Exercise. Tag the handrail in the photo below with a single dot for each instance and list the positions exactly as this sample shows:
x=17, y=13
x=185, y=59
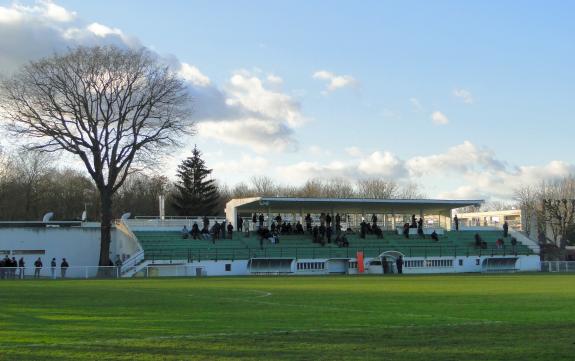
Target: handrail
x=131, y=262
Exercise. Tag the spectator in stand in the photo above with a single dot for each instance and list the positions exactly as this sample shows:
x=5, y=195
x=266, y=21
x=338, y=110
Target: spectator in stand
x=328, y=220
x=215, y=232
x=64, y=267
x=223, y=229
x=362, y=229
x=273, y=227
x=206, y=222
x=21, y=265
x=478, y=240
x=230, y=230
x=413, y=221
x=279, y=219
x=399, y=264
x=185, y=232
x=308, y=222
x=420, y=228
x=374, y=220
x=406, y=230
x=53, y=268
x=456, y=221
x=240, y=224
x=206, y=233
x=328, y=234
x=337, y=221
x=195, y=232
x=37, y=267
x=378, y=232
x=254, y=221
x=322, y=219
x=261, y=220
x=505, y=229
x=299, y=228
x=513, y=242
x=434, y=236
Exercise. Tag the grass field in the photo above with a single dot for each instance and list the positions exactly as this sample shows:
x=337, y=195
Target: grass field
x=459, y=317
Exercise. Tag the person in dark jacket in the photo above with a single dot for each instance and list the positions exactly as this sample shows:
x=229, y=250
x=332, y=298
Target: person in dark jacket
x=308, y=222
x=37, y=267
x=261, y=220
x=21, y=266
x=230, y=230
x=64, y=267
x=240, y=224
x=399, y=264
x=505, y=229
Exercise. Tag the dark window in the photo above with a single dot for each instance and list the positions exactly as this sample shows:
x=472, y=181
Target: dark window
x=477, y=261
x=228, y=267
x=461, y=262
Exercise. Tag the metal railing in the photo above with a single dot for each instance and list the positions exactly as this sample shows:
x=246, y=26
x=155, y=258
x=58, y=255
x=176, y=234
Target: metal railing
x=310, y=252
x=558, y=266
x=72, y=272
x=96, y=272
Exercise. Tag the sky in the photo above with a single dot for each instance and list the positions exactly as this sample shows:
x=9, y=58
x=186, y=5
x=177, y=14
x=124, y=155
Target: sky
x=467, y=99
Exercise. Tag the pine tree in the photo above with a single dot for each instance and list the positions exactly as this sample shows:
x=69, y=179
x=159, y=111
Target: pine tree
x=195, y=194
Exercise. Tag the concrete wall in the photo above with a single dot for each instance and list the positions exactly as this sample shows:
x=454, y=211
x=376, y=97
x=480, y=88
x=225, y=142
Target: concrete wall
x=79, y=245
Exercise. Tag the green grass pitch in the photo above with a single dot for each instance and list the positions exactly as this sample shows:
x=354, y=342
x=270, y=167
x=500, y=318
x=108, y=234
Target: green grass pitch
x=458, y=317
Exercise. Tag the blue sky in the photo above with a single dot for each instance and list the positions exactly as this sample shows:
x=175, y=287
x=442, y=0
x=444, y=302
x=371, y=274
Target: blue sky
x=465, y=98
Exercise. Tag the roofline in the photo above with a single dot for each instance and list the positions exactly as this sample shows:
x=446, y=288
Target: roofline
x=368, y=200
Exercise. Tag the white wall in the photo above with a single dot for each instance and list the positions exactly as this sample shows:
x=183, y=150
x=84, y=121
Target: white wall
x=79, y=245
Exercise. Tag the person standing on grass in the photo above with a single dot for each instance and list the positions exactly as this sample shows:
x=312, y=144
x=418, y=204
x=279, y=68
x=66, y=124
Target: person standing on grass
x=399, y=264
x=21, y=266
x=64, y=267
x=53, y=268
x=37, y=267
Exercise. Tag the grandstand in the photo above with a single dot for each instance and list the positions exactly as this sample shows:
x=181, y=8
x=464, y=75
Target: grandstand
x=246, y=252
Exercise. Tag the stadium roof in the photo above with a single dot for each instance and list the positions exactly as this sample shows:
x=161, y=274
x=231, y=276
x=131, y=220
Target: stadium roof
x=350, y=205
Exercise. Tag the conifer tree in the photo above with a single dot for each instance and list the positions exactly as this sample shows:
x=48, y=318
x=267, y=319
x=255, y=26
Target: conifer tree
x=196, y=194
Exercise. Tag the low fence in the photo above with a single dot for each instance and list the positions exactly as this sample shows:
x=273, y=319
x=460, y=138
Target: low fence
x=96, y=272
x=558, y=266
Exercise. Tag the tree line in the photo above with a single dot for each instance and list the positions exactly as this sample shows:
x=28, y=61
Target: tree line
x=33, y=183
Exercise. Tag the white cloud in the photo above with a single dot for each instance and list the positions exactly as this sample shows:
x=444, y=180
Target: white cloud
x=464, y=94
x=460, y=158
x=384, y=164
x=274, y=79
x=193, y=75
x=102, y=30
x=244, y=111
x=335, y=81
x=260, y=135
x=439, y=118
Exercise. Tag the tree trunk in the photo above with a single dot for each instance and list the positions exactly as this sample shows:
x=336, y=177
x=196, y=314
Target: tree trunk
x=105, y=227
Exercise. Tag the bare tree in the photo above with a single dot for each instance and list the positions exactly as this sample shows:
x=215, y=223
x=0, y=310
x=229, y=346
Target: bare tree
x=376, y=188
x=264, y=186
x=114, y=109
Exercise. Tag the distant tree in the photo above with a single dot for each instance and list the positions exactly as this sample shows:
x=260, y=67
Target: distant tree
x=196, y=193
x=114, y=109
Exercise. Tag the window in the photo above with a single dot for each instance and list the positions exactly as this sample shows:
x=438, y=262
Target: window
x=29, y=251
x=310, y=265
x=461, y=262
x=228, y=267
x=477, y=262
